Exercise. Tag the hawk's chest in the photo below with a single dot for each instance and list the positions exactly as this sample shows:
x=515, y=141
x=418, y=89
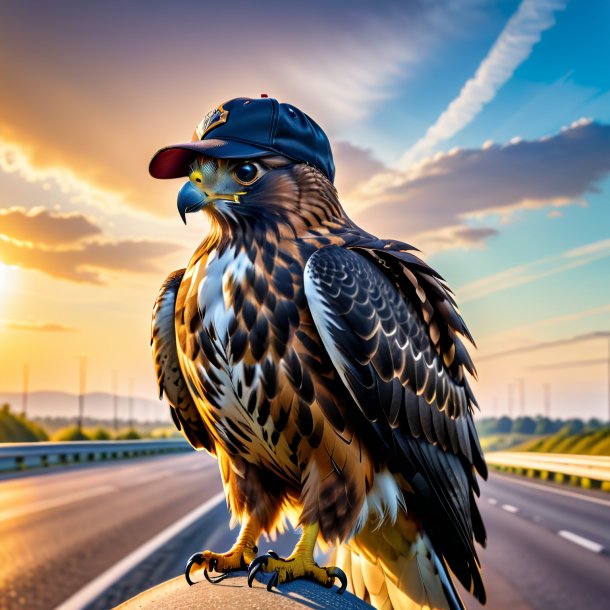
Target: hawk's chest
x=245, y=320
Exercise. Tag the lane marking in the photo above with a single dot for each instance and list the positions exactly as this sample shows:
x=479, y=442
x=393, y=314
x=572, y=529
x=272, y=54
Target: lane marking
x=492, y=501
x=35, y=507
x=560, y=492
x=90, y=592
x=580, y=541
x=509, y=508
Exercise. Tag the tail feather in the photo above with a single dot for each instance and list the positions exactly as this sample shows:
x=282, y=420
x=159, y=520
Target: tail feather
x=395, y=567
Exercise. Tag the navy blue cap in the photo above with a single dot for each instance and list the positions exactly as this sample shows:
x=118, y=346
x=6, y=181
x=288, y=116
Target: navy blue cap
x=249, y=128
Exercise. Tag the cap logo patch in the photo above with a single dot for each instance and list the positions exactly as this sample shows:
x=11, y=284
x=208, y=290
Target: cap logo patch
x=212, y=119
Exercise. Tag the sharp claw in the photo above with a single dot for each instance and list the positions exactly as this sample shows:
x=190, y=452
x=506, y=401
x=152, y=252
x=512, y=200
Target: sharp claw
x=273, y=554
x=272, y=581
x=255, y=567
x=196, y=558
x=214, y=579
x=339, y=574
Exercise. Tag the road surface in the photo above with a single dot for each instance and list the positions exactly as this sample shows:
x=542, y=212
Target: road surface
x=60, y=529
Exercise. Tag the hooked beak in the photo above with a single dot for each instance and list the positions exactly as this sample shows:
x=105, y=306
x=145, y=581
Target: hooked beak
x=190, y=199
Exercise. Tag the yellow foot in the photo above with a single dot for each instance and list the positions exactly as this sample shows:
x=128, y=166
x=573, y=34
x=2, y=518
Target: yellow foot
x=296, y=566
x=234, y=560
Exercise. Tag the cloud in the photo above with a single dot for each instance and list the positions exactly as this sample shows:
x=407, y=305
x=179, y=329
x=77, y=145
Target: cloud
x=43, y=226
x=37, y=326
x=513, y=46
x=602, y=334
x=15, y=159
x=454, y=189
x=354, y=167
x=533, y=271
x=87, y=262
x=337, y=61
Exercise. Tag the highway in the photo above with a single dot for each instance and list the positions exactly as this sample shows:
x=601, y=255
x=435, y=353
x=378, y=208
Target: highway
x=63, y=528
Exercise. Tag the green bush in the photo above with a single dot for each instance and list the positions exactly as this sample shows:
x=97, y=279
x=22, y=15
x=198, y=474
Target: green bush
x=72, y=433
x=100, y=434
x=128, y=435
x=16, y=428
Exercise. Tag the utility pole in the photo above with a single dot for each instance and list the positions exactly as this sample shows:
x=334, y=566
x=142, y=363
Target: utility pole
x=511, y=390
x=547, y=400
x=81, y=394
x=26, y=384
x=131, y=403
x=115, y=401
x=521, y=386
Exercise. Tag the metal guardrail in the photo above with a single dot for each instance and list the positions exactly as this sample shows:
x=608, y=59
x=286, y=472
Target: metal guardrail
x=591, y=471
x=18, y=456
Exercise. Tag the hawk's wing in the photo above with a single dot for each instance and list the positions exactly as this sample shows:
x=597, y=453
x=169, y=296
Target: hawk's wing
x=169, y=376
x=384, y=354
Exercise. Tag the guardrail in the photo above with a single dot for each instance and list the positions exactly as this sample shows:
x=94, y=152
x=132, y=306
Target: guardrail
x=19, y=456
x=582, y=470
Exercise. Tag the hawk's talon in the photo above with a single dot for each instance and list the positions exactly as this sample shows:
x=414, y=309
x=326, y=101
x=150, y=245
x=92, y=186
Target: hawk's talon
x=214, y=579
x=255, y=567
x=295, y=567
x=196, y=558
x=272, y=581
x=340, y=575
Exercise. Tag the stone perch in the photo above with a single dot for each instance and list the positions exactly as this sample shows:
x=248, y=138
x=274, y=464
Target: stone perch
x=233, y=592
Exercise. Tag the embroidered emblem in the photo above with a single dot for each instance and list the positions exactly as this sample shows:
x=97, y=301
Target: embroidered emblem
x=212, y=119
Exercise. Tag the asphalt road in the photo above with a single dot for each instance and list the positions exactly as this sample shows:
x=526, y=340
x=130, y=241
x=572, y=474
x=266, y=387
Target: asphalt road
x=60, y=529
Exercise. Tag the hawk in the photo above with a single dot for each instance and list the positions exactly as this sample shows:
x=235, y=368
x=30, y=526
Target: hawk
x=324, y=367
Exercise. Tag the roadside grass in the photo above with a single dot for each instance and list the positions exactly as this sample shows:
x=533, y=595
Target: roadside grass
x=586, y=443
x=16, y=428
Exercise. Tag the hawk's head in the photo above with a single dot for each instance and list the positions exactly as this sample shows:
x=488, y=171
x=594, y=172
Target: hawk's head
x=254, y=160
x=259, y=191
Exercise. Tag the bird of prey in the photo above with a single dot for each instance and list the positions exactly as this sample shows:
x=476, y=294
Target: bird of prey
x=324, y=367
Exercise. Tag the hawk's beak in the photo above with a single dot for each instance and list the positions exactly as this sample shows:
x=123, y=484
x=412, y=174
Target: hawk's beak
x=190, y=199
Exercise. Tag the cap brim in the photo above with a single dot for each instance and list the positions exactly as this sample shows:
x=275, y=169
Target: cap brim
x=174, y=161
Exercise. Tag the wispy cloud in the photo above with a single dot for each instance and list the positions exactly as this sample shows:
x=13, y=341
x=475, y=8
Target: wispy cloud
x=37, y=326
x=86, y=262
x=43, y=226
x=440, y=197
x=513, y=46
x=14, y=159
x=602, y=334
x=535, y=270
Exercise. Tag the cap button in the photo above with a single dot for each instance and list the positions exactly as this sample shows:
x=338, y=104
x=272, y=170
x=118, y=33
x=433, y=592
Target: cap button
x=264, y=95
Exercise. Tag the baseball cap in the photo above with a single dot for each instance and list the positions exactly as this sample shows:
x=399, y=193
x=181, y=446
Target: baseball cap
x=249, y=128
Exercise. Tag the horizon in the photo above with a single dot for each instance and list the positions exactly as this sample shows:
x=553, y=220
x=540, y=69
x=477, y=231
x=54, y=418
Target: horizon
x=479, y=133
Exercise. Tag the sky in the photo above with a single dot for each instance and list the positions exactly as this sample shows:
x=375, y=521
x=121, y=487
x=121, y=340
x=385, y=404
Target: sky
x=477, y=131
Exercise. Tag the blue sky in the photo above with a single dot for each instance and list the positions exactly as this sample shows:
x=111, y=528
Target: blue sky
x=478, y=131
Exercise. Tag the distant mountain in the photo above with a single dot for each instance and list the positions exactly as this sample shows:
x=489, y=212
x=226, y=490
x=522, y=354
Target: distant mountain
x=97, y=405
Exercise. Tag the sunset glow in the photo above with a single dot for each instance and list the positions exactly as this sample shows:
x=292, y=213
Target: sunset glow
x=490, y=156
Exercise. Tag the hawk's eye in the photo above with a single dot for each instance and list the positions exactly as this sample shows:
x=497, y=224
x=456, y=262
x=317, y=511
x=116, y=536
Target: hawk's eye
x=245, y=173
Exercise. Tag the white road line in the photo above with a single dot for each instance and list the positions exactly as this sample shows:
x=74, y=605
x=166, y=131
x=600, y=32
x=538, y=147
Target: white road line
x=509, y=508
x=554, y=490
x=492, y=501
x=35, y=507
x=81, y=599
x=580, y=541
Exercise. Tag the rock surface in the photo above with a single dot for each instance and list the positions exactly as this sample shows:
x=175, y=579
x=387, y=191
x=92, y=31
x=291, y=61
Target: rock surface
x=233, y=592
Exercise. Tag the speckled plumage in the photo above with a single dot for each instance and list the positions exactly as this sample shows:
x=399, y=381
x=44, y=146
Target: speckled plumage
x=312, y=359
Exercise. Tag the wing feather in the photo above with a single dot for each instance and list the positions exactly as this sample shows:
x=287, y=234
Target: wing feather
x=167, y=367
x=383, y=349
